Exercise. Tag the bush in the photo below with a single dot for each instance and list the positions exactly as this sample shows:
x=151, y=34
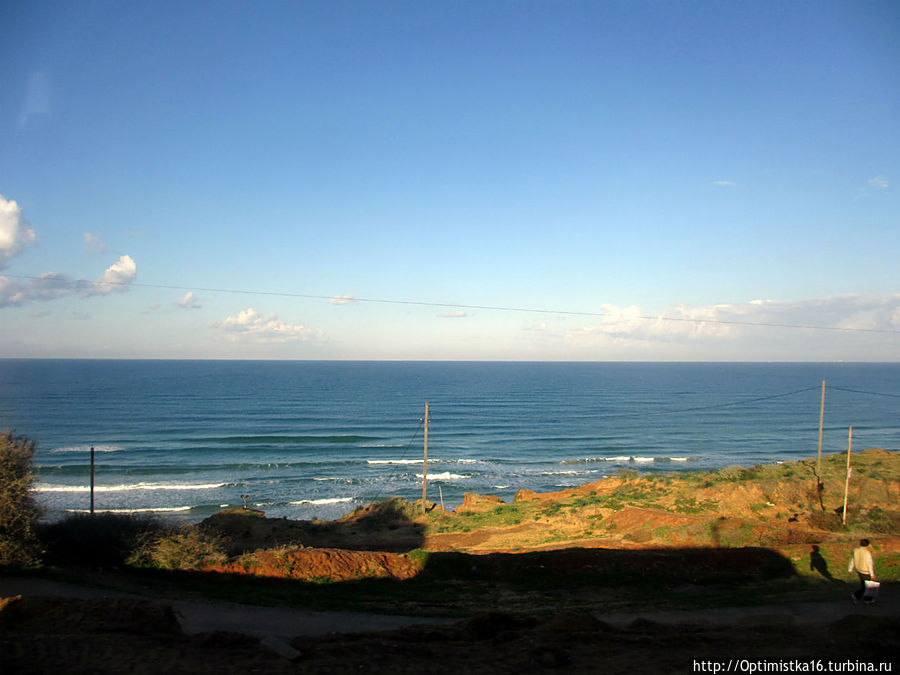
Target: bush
x=881, y=521
x=186, y=548
x=731, y=474
x=395, y=510
x=98, y=540
x=18, y=512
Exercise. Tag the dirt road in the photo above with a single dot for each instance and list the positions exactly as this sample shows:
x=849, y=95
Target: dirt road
x=204, y=617
x=287, y=623
x=62, y=627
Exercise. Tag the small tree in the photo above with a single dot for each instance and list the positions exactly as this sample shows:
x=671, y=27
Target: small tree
x=18, y=511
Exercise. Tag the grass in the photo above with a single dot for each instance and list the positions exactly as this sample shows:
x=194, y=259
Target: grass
x=690, y=505
x=504, y=515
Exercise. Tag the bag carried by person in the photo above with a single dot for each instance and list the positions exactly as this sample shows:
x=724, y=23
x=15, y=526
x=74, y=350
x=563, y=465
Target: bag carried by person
x=871, y=593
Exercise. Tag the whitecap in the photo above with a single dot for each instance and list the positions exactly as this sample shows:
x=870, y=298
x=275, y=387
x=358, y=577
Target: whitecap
x=394, y=461
x=446, y=475
x=45, y=487
x=167, y=509
x=87, y=448
x=317, y=502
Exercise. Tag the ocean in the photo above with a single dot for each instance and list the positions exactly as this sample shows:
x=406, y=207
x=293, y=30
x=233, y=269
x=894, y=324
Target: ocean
x=310, y=439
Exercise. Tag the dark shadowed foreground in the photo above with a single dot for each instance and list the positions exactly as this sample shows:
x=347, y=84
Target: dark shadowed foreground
x=117, y=635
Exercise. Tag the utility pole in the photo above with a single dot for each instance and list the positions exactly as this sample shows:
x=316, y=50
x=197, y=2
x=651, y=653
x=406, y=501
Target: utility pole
x=425, y=464
x=847, y=482
x=92, y=480
x=821, y=421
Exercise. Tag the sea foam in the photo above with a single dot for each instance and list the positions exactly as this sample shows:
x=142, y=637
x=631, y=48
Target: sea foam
x=318, y=502
x=446, y=475
x=46, y=487
x=87, y=448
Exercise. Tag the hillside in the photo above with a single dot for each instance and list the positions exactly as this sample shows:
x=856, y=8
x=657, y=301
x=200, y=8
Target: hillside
x=776, y=507
x=536, y=584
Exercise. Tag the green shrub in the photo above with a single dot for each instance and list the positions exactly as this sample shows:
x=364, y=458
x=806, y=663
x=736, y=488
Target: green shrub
x=391, y=511
x=730, y=474
x=685, y=504
x=882, y=521
x=19, y=545
x=185, y=548
x=98, y=540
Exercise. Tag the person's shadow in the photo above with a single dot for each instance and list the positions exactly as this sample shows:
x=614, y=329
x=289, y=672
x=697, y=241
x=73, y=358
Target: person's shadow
x=818, y=563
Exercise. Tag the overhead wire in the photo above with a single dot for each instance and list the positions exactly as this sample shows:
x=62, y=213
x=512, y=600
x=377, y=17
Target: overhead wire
x=670, y=411
x=868, y=393
x=716, y=405
x=494, y=308
x=402, y=457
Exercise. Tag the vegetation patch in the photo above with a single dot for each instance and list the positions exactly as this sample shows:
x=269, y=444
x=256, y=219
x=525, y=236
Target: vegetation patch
x=98, y=540
x=186, y=548
x=19, y=545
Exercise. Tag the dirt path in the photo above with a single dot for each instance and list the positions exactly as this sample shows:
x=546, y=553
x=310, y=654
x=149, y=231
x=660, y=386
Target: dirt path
x=202, y=617
x=87, y=629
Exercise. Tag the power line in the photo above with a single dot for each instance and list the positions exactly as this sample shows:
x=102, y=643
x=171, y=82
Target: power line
x=869, y=393
x=493, y=308
x=402, y=457
x=675, y=411
x=732, y=403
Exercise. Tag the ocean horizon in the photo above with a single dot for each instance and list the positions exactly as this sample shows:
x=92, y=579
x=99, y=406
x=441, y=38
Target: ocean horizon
x=315, y=439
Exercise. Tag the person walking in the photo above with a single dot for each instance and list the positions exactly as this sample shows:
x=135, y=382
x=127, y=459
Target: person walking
x=862, y=562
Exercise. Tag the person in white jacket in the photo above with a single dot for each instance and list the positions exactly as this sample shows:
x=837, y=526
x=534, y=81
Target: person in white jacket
x=862, y=562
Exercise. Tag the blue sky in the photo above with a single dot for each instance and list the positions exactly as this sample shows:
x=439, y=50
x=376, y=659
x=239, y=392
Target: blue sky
x=714, y=164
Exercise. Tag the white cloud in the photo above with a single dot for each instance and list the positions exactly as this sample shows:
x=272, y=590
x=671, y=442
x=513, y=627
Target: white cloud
x=189, y=301
x=342, y=300
x=94, y=242
x=875, y=184
x=724, y=183
x=121, y=272
x=248, y=323
x=51, y=285
x=733, y=321
x=453, y=315
x=14, y=231
x=116, y=278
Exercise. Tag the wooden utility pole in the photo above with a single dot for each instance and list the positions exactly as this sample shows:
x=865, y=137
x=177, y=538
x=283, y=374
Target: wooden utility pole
x=92, y=480
x=847, y=482
x=821, y=421
x=425, y=464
